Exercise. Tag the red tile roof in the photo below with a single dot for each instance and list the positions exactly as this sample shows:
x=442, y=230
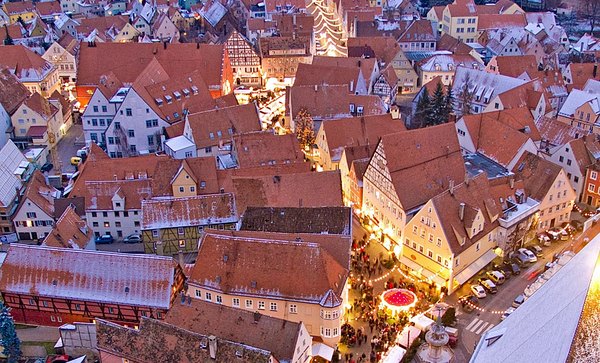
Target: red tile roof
x=12, y=92
x=40, y=193
x=537, y=174
x=422, y=162
x=24, y=63
x=105, y=277
x=70, y=231
x=128, y=60
x=500, y=21
x=225, y=121
x=265, y=148
x=257, y=264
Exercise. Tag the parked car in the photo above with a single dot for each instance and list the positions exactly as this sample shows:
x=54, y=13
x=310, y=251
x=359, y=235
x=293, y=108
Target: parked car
x=47, y=167
x=518, y=301
x=503, y=269
x=528, y=254
x=559, y=233
x=488, y=285
x=75, y=160
x=545, y=239
x=512, y=267
x=133, y=238
x=468, y=302
x=537, y=250
x=497, y=277
x=521, y=260
x=105, y=239
x=478, y=291
x=82, y=153
x=508, y=311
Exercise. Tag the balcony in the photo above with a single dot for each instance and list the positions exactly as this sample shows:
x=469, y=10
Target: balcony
x=518, y=212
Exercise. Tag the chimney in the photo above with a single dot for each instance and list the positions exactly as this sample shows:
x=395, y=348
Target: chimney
x=212, y=346
x=316, y=88
x=451, y=187
x=461, y=211
x=595, y=70
x=165, y=45
x=256, y=317
x=352, y=86
x=512, y=183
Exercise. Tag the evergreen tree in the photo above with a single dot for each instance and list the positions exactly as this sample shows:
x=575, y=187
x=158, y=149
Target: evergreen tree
x=438, y=112
x=8, y=336
x=423, y=109
x=305, y=129
x=8, y=40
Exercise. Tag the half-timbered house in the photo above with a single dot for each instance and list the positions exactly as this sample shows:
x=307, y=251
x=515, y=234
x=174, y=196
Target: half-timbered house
x=174, y=225
x=54, y=286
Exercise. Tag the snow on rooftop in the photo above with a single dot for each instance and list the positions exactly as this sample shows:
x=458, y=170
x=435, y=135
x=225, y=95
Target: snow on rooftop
x=179, y=143
x=575, y=99
x=543, y=327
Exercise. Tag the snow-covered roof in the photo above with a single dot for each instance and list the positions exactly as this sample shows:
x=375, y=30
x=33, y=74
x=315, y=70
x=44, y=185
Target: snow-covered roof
x=544, y=327
x=495, y=83
x=575, y=99
x=179, y=143
x=592, y=86
x=215, y=12
x=10, y=160
x=140, y=280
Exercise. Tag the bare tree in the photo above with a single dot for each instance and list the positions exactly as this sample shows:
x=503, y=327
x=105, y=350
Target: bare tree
x=465, y=96
x=589, y=10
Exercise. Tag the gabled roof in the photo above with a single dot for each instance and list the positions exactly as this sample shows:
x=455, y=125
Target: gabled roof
x=581, y=73
x=213, y=11
x=576, y=99
x=353, y=153
x=379, y=47
x=128, y=60
x=500, y=21
x=420, y=30
x=519, y=119
x=300, y=23
x=537, y=174
x=18, y=7
x=494, y=139
x=188, y=211
x=487, y=84
x=41, y=194
x=324, y=220
x=448, y=42
x=296, y=189
x=238, y=325
x=258, y=264
x=48, y=8
x=516, y=65
x=138, y=344
x=41, y=106
x=12, y=92
x=209, y=127
x=355, y=131
x=70, y=231
x=311, y=74
x=139, y=280
x=25, y=64
x=422, y=162
x=448, y=62
x=475, y=194
x=523, y=96
x=366, y=65
x=331, y=101
x=102, y=24
x=556, y=132
x=261, y=148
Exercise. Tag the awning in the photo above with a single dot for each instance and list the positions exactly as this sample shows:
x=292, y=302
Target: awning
x=422, y=271
x=475, y=267
x=395, y=355
x=322, y=350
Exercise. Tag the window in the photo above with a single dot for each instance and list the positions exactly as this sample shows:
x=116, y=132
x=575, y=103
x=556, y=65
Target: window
x=104, y=109
x=192, y=188
x=457, y=261
x=150, y=140
x=94, y=224
x=132, y=148
x=430, y=238
x=131, y=133
x=45, y=304
x=248, y=304
x=576, y=179
x=155, y=233
x=261, y=305
x=31, y=215
x=439, y=259
x=111, y=310
x=208, y=296
x=568, y=161
x=235, y=302
x=95, y=108
x=117, y=224
x=430, y=253
x=561, y=159
x=128, y=112
x=180, y=230
x=181, y=189
x=477, y=246
x=182, y=243
x=439, y=242
x=415, y=230
x=219, y=299
x=293, y=309
x=273, y=306
x=594, y=175
x=198, y=293
x=77, y=307
x=591, y=188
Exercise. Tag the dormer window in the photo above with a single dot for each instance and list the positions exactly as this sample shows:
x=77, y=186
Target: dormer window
x=158, y=101
x=169, y=99
x=195, y=90
x=177, y=95
x=438, y=67
x=186, y=92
